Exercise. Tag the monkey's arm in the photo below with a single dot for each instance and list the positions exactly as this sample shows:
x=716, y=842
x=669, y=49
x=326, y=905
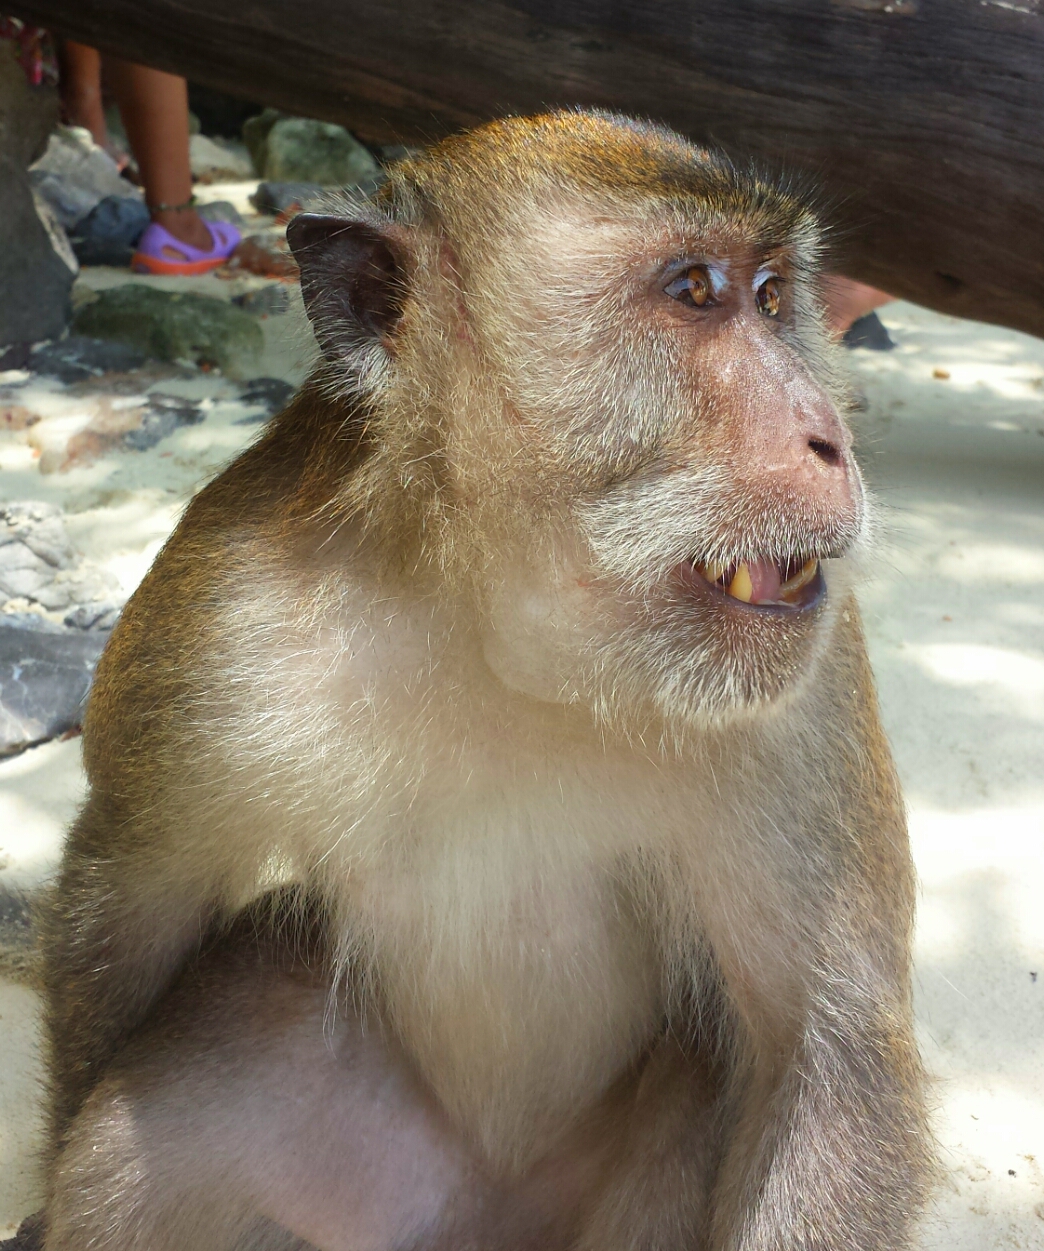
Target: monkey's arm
x=806, y=1133
x=830, y=1150
x=169, y=840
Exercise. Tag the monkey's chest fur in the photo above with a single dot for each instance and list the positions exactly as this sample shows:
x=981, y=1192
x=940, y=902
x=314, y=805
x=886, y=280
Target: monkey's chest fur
x=523, y=984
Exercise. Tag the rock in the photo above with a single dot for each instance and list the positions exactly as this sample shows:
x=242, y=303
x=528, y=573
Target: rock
x=92, y=616
x=40, y=528
x=29, y=1235
x=255, y=136
x=110, y=231
x=175, y=326
x=164, y=414
x=868, y=332
x=28, y=115
x=269, y=301
x=284, y=197
x=271, y=395
x=78, y=357
x=75, y=174
x=44, y=680
x=265, y=255
x=221, y=211
x=213, y=160
x=15, y=356
x=22, y=574
x=35, y=272
x=40, y=572
x=17, y=953
x=300, y=149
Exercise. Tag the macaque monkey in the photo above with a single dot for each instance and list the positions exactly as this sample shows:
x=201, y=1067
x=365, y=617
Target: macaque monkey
x=492, y=842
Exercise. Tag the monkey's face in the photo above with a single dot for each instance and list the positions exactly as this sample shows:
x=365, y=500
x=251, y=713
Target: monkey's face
x=666, y=417
x=628, y=395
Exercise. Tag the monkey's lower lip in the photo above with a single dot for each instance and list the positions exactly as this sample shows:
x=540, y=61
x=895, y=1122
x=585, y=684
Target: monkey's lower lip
x=793, y=585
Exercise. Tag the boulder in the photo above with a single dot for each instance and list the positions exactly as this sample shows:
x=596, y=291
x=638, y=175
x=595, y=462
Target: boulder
x=74, y=174
x=36, y=267
x=39, y=570
x=268, y=395
x=44, y=679
x=270, y=301
x=110, y=231
x=214, y=160
x=77, y=358
x=303, y=150
x=284, y=197
x=175, y=326
x=221, y=211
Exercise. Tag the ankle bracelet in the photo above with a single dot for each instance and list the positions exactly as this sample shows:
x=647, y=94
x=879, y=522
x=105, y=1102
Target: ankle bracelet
x=172, y=208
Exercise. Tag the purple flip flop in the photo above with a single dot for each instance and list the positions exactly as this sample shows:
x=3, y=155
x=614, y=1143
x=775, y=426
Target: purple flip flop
x=149, y=258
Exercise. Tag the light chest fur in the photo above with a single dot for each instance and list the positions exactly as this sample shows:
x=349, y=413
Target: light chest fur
x=492, y=900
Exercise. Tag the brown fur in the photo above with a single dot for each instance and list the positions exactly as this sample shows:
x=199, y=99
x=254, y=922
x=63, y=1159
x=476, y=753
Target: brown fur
x=582, y=841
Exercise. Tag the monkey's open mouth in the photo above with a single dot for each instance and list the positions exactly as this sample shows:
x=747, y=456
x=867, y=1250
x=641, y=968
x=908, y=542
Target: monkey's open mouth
x=796, y=583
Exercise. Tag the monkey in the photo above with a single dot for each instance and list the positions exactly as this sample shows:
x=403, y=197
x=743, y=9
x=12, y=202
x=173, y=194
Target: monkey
x=491, y=839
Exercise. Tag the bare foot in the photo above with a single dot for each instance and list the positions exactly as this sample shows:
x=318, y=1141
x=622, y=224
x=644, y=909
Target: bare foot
x=186, y=225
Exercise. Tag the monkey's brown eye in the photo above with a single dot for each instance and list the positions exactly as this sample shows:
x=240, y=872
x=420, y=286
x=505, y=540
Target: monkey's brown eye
x=767, y=297
x=692, y=287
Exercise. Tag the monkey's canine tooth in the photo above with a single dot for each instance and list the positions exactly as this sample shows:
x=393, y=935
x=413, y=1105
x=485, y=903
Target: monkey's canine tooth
x=741, y=587
x=713, y=570
x=800, y=580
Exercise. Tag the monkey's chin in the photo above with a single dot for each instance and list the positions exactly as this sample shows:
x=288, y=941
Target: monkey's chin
x=793, y=586
x=704, y=657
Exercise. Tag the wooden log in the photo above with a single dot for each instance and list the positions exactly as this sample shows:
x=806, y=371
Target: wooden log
x=920, y=118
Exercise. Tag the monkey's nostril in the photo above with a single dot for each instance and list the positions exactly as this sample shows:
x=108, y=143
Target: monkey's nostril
x=826, y=452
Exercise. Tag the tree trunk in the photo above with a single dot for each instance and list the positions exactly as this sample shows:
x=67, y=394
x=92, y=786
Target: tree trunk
x=923, y=120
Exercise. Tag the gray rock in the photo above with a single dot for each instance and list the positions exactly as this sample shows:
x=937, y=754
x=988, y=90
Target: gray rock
x=22, y=573
x=40, y=528
x=15, y=356
x=175, y=326
x=79, y=357
x=269, y=301
x=75, y=174
x=110, y=231
x=284, y=197
x=31, y=621
x=38, y=564
x=163, y=416
x=217, y=160
x=17, y=955
x=34, y=278
x=255, y=136
x=44, y=680
x=91, y=617
x=269, y=394
x=868, y=332
x=300, y=149
x=221, y=211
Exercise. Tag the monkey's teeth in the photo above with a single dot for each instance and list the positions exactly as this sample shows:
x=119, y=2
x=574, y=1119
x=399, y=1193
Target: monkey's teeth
x=800, y=580
x=714, y=570
x=741, y=587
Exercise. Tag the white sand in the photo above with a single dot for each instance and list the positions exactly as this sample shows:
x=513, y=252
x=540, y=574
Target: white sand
x=955, y=613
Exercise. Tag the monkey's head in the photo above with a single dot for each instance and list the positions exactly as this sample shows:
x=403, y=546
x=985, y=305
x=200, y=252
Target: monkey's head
x=600, y=401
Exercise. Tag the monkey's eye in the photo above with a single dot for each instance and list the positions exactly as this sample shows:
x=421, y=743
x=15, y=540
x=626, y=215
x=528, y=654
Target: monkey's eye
x=767, y=297
x=692, y=287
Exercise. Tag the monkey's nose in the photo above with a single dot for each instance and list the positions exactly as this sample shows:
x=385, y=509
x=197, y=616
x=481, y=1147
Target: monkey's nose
x=829, y=453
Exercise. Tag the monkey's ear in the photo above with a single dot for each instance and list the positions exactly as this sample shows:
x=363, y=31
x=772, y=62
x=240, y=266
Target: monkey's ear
x=353, y=280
